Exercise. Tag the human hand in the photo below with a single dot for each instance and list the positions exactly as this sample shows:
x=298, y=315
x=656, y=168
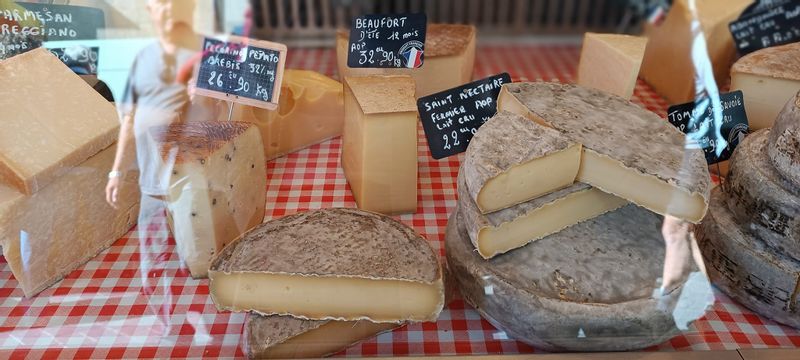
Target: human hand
x=113, y=188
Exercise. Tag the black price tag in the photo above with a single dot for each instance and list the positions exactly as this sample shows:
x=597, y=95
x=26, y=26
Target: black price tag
x=387, y=41
x=775, y=24
x=84, y=58
x=51, y=22
x=242, y=70
x=697, y=121
x=450, y=118
x=762, y=5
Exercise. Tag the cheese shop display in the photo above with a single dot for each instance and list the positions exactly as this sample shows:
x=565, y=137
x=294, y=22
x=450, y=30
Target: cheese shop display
x=611, y=62
x=217, y=189
x=627, y=151
x=769, y=78
x=381, y=124
x=784, y=143
x=330, y=264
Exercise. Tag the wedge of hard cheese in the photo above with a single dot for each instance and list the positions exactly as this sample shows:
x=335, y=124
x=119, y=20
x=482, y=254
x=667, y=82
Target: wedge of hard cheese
x=784, y=143
x=512, y=160
x=611, y=62
x=217, y=189
x=330, y=264
x=768, y=78
x=627, y=151
x=46, y=235
x=285, y=337
x=501, y=231
x=52, y=121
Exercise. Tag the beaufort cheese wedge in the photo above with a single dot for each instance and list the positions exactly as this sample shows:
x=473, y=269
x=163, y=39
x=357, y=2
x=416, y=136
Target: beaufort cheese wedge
x=611, y=62
x=330, y=264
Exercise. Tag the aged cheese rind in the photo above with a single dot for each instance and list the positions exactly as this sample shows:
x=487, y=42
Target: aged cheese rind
x=594, y=278
x=498, y=232
x=512, y=160
x=745, y=268
x=52, y=121
x=627, y=151
x=46, y=235
x=610, y=62
x=365, y=255
x=757, y=199
x=784, y=142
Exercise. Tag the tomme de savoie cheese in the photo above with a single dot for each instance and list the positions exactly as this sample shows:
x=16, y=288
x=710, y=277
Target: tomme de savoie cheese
x=627, y=151
x=784, y=143
x=217, y=189
x=330, y=264
x=611, y=62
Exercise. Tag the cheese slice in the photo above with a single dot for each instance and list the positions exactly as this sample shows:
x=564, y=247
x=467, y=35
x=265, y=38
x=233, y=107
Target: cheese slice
x=449, y=59
x=498, y=232
x=611, y=62
x=46, y=235
x=310, y=111
x=218, y=186
x=330, y=264
x=586, y=288
x=768, y=78
x=52, y=121
x=379, y=143
x=511, y=160
x=669, y=63
x=627, y=151
x=284, y=337
x=744, y=268
x=784, y=143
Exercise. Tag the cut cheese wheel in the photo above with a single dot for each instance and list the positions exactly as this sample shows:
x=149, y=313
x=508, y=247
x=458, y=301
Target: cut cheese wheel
x=285, y=337
x=52, y=121
x=512, y=160
x=46, y=235
x=330, y=264
x=627, y=151
x=498, y=232
x=757, y=199
x=586, y=288
x=218, y=186
x=768, y=78
x=611, y=62
x=784, y=142
x=743, y=267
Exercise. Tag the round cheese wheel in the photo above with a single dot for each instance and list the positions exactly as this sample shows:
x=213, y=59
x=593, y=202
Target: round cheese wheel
x=784, y=143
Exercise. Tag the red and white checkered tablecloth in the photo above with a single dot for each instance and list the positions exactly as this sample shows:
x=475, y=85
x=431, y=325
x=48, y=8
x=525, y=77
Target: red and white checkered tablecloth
x=100, y=310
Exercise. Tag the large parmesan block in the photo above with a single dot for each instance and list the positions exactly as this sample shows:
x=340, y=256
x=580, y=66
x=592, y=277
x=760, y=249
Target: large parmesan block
x=587, y=288
x=501, y=231
x=285, y=337
x=768, y=78
x=46, y=235
x=449, y=59
x=627, y=151
x=330, y=264
x=742, y=266
x=756, y=197
x=218, y=186
x=670, y=63
x=784, y=143
x=611, y=62
x=52, y=121
x=310, y=111
x=379, y=143
x=512, y=160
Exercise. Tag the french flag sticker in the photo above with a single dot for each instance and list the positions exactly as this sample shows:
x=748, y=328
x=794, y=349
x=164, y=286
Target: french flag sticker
x=413, y=58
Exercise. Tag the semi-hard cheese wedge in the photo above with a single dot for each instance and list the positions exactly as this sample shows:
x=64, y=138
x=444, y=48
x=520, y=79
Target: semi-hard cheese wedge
x=498, y=232
x=46, y=235
x=310, y=111
x=330, y=264
x=671, y=59
x=52, y=120
x=285, y=337
x=511, y=160
x=757, y=198
x=449, y=59
x=768, y=78
x=379, y=143
x=611, y=62
x=784, y=143
x=586, y=288
x=745, y=268
x=217, y=189
x=627, y=151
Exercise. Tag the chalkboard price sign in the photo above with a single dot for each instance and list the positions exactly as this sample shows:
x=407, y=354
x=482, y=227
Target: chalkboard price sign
x=773, y=25
x=450, y=118
x=387, y=41
x=51, y=22
x=242, y=70
x=713, y=125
